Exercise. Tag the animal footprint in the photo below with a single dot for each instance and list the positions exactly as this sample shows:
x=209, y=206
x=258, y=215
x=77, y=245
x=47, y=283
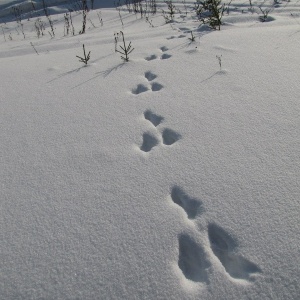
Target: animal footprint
x=173, y=37
x=153, y=118
x=191, y=206
x=141, y=88
x=166, y=56
x=164, y=48
x=151, y=57
x=192, y=260
x=150, y=76
x=149, y=141
x=155, y=86
x=170, y=137
x=222, y=245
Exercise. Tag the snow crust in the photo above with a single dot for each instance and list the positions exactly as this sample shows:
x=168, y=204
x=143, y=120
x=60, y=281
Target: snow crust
x=166, y=177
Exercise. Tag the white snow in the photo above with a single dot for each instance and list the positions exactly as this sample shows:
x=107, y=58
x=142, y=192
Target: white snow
x=164, y=177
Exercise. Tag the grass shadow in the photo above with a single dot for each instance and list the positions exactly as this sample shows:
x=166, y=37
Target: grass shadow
x=67, y=73
x=108, y=71
x=103, y=73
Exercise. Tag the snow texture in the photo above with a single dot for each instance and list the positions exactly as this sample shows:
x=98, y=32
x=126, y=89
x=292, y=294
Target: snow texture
x=170, y=176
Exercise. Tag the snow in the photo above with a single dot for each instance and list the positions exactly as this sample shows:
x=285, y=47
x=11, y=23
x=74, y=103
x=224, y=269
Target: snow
x=164, y=177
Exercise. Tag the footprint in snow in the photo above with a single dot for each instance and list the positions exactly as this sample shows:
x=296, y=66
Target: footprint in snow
x=191, y=206
x=150, y=76
x=165, y=56
x=149, y=141
x=154, y=86
x=223, y=246
x=141, y=88
x=151, y=57
x=174, y=37
x=164, y=49
x=153, y=118
x=170, y=136
x=192, y=259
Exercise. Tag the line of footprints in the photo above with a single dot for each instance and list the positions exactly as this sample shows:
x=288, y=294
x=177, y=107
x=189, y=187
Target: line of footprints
x=154, y=86
x=193, y=260
x=168, y=136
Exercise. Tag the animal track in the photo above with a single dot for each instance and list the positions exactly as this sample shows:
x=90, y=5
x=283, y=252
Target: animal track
x=170, y=137
x=191, y=206
x=192, y=260
x=155, y=86
x=153, y=118
x=222, y=245
x=141, y=88
x=166, y=56
x=164, y=48
x=150, y=76
x=174, y=37
x=151, y=57
x=149, y=141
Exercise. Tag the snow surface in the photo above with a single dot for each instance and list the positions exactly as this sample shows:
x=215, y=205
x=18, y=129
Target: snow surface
x=160, y=178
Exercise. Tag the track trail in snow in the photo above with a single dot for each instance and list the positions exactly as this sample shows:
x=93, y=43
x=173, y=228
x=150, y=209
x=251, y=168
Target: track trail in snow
x=194, y=258
x=206, y=192
x=150, y=86
x=165, y=136
x=163, y=56
x=151, y=139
